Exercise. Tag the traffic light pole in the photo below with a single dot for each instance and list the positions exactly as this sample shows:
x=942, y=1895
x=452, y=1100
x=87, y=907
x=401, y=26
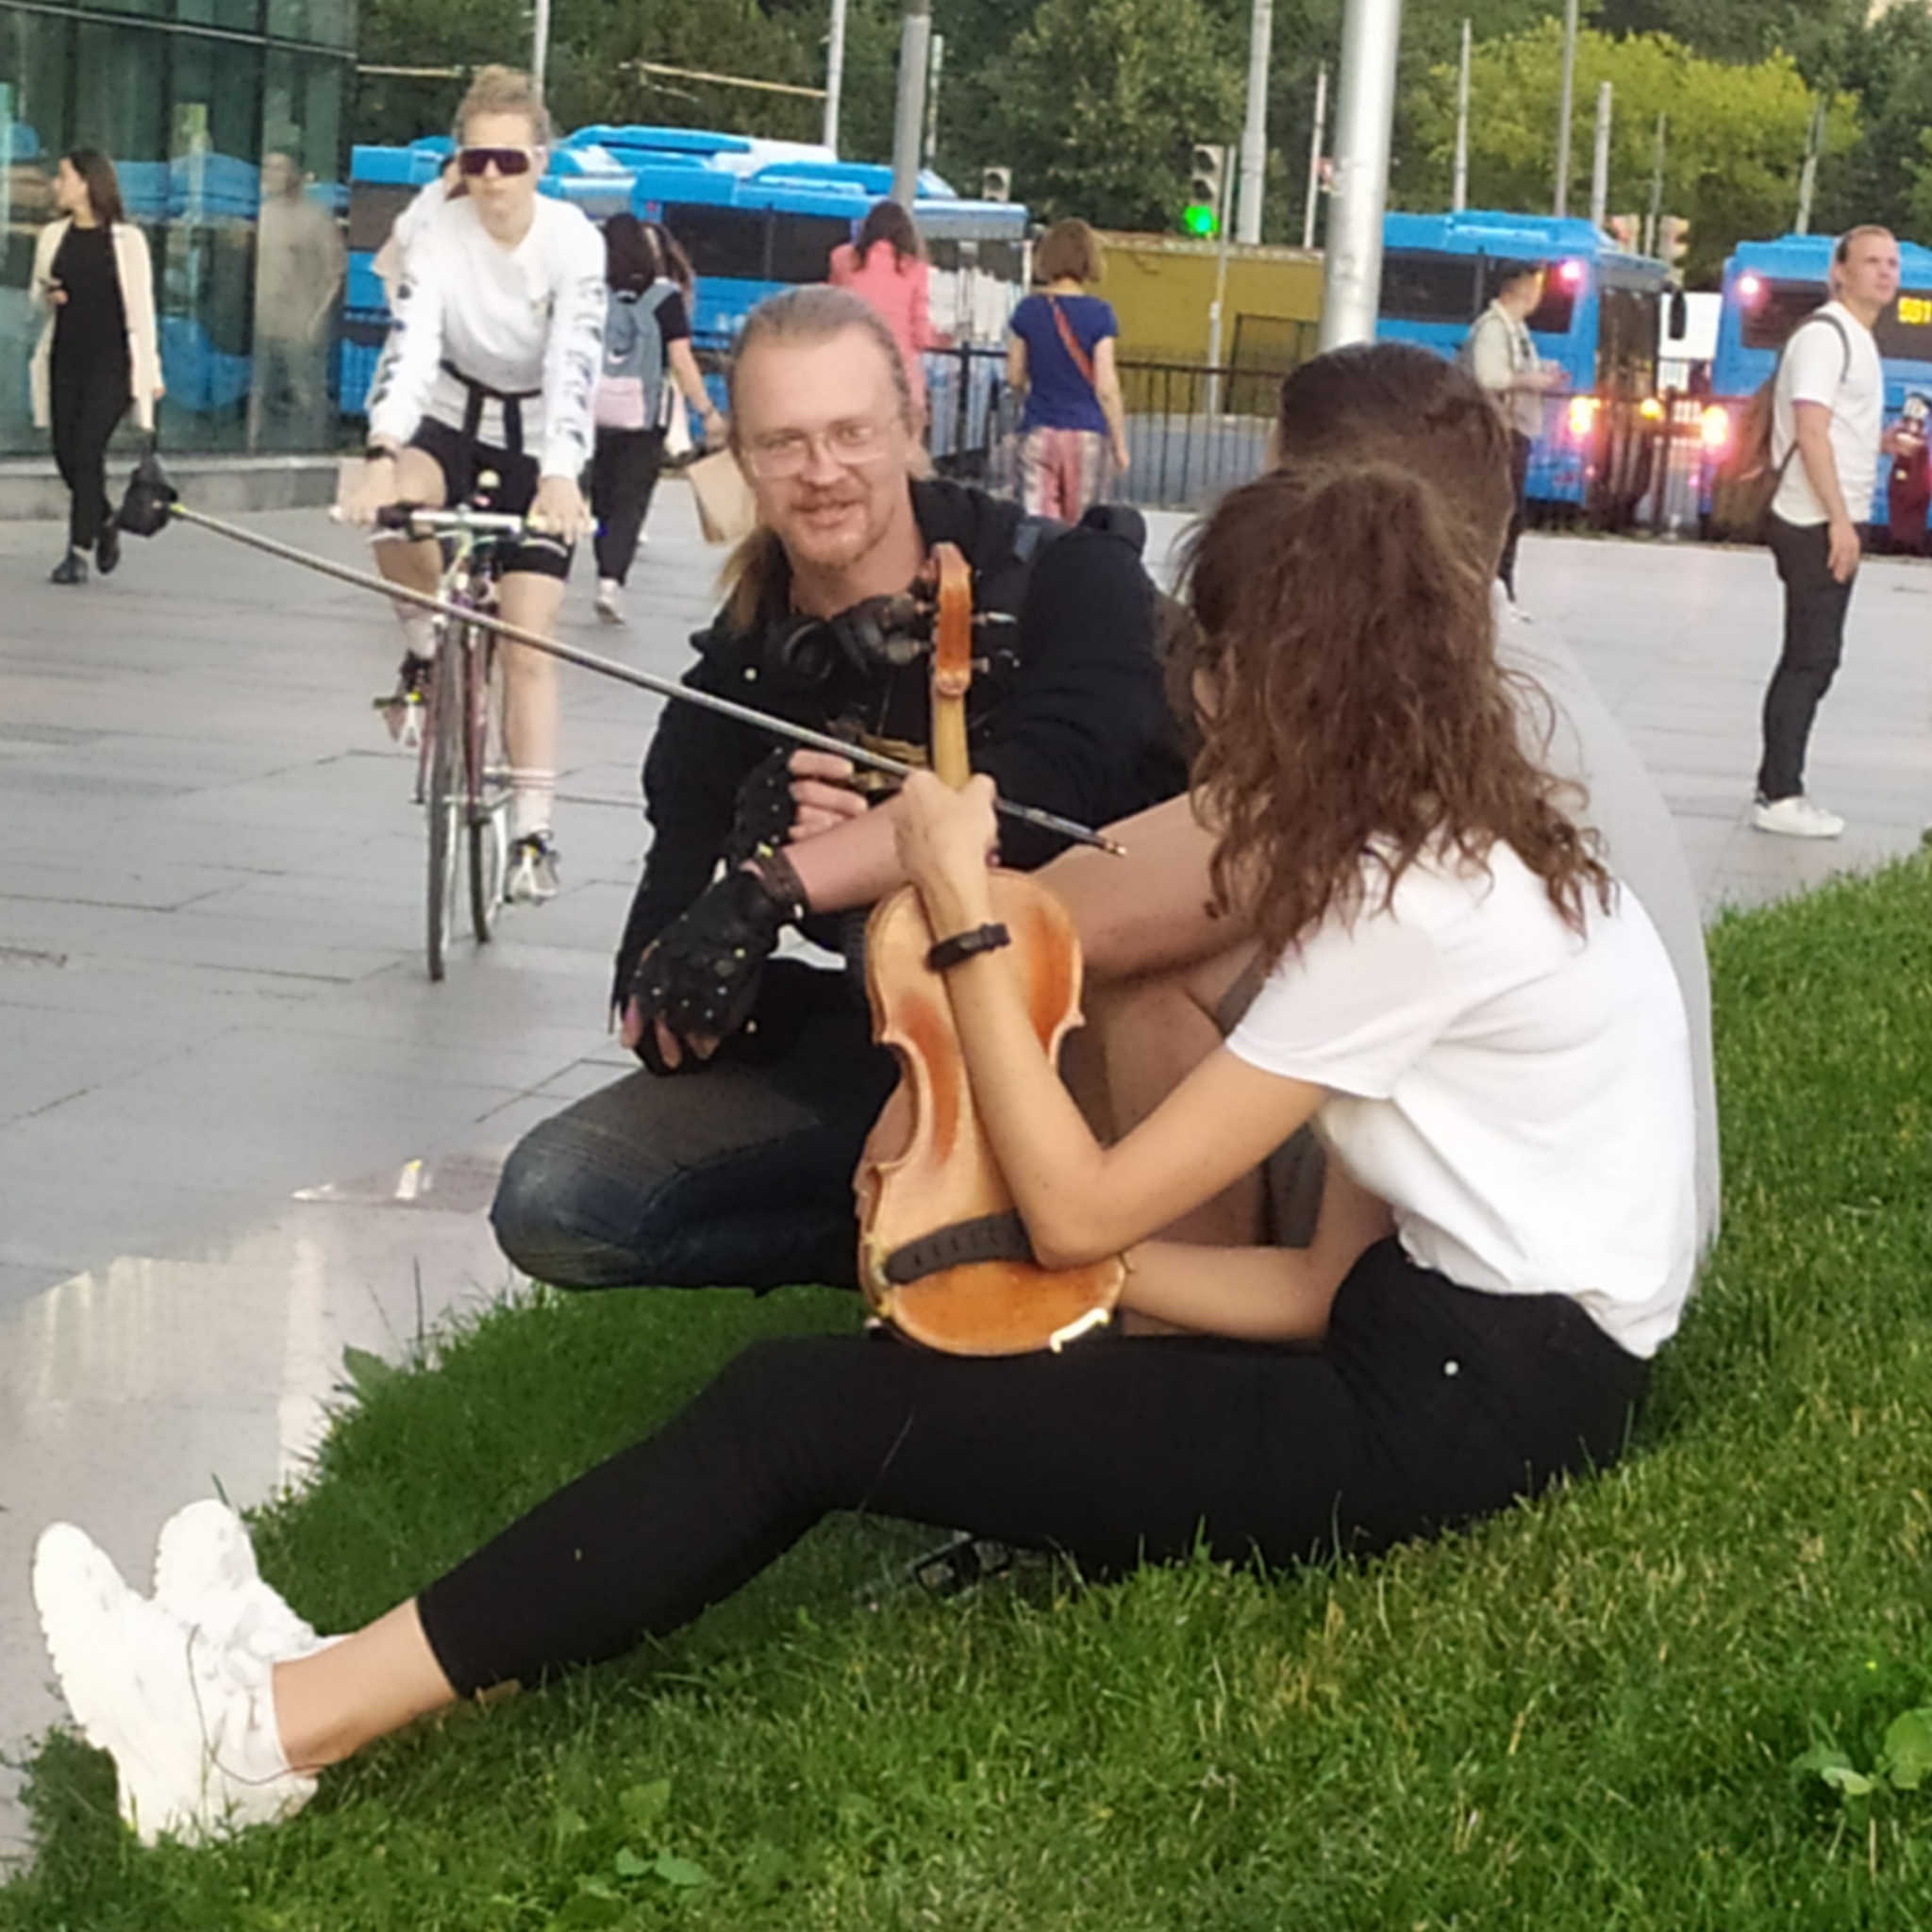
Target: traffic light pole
x=1364, y=113
x=1255, y=130
x=835, y=72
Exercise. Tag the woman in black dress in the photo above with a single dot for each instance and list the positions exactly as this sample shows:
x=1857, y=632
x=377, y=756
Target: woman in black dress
x=98, y=353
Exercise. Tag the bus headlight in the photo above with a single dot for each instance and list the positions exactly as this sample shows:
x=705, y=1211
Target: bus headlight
x=1714, y=427
x=1582, y=416
x=1650, y=409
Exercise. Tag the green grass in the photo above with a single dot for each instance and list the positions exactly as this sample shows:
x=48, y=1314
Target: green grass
x=1586, y=1714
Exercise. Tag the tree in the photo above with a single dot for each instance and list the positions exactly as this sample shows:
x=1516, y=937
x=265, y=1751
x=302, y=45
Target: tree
x=1735, y=134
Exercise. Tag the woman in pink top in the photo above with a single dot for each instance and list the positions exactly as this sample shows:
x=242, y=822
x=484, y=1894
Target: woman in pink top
x=886, y=267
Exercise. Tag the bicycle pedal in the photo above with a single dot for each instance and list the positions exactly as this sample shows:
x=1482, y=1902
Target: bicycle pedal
x=956, y=1569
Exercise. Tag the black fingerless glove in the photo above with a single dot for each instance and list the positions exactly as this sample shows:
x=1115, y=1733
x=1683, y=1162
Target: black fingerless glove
x=701, y=977
x=762, y=821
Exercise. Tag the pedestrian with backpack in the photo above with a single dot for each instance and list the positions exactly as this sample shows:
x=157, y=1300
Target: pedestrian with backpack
x=1827, y=428
x=646, y=349
x=1498, y=352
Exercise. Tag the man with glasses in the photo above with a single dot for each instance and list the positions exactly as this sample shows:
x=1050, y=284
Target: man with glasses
x=729, y=1160
x=490, y=370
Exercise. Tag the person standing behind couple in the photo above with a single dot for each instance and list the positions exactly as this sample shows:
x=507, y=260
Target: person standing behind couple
x=1060, y=353
x=885, y=266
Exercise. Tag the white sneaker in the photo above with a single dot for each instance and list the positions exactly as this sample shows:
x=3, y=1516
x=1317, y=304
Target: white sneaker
x=189, y=1724
x=610, y=600
x=1796, y=818
x=205, y=1574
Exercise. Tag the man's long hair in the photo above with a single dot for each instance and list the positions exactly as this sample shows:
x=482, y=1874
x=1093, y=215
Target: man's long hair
x=756, y=572
x=1354, y=717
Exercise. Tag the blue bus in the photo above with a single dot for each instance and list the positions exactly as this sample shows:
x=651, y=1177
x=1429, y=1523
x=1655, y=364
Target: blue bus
x=1600, y=320
x=1770, y=287
x=754, y=215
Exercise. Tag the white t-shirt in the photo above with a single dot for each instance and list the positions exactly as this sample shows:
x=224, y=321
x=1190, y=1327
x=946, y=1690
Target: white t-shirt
x=1585, y=744
x=1816, y=370
x=528, y=320
x=1518, y=1094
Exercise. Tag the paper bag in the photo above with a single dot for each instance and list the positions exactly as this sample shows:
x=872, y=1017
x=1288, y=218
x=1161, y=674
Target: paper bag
x=726, y=508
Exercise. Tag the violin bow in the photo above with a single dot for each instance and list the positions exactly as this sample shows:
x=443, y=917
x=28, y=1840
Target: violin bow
x=665, y=686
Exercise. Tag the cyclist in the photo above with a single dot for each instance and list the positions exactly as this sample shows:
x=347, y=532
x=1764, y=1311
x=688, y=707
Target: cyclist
x=491, y=370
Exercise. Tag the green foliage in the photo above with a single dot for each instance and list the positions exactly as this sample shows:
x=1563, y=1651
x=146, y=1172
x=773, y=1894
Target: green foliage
x=1102, y=100
x=1690, y=1692
x=1735, y=143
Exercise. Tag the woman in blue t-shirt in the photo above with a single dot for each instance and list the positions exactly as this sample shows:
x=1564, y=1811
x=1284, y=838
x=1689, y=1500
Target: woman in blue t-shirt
x=1060, y=354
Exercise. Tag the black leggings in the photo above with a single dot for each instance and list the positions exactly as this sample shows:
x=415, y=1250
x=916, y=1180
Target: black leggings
x=1428, y=1406
x=87, y=402
x=624, y=475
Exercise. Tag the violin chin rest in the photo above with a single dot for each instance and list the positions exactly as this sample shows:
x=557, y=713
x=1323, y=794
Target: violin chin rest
x=1000, y=1308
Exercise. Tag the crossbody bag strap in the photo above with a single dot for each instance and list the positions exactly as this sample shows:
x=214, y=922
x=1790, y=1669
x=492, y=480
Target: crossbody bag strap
x=1082, y=361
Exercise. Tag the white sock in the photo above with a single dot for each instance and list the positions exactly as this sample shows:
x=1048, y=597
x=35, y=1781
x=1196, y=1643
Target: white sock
x=532, y=798
x=419, y=632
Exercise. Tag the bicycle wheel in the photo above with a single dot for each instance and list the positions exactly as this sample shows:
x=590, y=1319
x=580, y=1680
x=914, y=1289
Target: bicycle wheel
x=489, y=802
x=443, y=798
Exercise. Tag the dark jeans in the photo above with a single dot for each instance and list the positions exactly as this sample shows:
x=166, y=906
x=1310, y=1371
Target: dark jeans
x=738, y=1174
x=1520, y=447
x=624, y=475
x=1428, y=1406
x=1815, y=608
x=87, y=403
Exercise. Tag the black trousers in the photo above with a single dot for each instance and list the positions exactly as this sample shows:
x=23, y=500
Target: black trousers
x=1520, y=447
x=624, y=476
x=1428, y=1406
x=1815, y=608
x=738, y=1174
x=88, y=400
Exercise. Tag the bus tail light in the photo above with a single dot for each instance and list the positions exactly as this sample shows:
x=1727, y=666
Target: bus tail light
x=1750, y=289
x=1715, y=427
x=1582, y=416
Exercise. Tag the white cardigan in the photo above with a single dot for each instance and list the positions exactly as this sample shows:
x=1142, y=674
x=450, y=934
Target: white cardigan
x=136, y=274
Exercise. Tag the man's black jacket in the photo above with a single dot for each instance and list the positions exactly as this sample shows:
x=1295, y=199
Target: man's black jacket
x=1073, y=718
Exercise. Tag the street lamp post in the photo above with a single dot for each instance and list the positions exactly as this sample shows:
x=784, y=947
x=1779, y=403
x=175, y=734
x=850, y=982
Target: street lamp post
x=1364, y=113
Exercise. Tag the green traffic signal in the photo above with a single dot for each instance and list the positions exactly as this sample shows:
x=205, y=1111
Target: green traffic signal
x=1197, y=218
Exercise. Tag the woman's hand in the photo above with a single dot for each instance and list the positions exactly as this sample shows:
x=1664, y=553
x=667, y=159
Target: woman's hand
x=372, y=492
x=558, y=510
x=947, y=840
x=56, y=295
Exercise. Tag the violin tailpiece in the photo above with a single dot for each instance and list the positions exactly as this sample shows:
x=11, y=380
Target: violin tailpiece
x=987, y=1238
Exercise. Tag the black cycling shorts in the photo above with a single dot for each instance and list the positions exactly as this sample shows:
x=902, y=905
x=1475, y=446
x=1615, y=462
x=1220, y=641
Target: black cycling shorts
x=463, y=461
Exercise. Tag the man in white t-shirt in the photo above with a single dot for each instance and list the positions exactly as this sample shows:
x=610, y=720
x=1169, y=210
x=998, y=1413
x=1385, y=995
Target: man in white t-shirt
x=1828, y=420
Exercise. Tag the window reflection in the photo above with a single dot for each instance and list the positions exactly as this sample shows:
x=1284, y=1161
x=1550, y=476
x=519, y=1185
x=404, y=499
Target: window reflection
x=229, y=152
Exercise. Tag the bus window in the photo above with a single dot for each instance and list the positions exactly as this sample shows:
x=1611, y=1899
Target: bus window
x=1904, y=332
x=1626, y=342
x=1768, y=322
x=1417, y=287
x=802, y=245
x=721, y=241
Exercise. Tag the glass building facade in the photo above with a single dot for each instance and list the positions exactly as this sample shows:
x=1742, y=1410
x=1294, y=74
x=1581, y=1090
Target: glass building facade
x=226, y=122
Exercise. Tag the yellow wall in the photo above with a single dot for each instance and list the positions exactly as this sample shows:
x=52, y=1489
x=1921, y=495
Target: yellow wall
x=1163, y=286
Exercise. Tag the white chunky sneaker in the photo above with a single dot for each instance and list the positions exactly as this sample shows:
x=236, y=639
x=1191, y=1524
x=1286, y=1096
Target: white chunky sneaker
x=610, y=600
x=188, y=1722
x=1796, y=818
x=204, y=1573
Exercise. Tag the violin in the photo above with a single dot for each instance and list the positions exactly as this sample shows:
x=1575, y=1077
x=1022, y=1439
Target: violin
x=943, y=1252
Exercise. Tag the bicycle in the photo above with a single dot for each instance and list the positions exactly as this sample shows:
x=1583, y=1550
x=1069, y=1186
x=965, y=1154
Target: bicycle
x=462, y=764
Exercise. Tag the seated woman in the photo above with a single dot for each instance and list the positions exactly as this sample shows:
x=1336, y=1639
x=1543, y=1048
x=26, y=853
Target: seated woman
x=1488, y=1037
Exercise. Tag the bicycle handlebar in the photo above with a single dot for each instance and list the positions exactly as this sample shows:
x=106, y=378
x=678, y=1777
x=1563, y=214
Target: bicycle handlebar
x=421, y=521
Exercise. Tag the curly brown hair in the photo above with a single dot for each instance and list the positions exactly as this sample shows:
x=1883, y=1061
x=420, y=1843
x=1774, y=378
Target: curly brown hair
x=1353, y=710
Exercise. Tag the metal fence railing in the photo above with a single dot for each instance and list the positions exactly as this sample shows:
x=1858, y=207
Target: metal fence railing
x=1192, y=431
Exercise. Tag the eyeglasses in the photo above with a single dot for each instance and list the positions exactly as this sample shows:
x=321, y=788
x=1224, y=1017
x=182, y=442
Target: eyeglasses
x=851, y=444
x=472, y=162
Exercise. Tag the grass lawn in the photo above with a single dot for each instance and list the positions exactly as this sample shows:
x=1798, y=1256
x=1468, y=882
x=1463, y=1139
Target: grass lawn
x=1589, y=1714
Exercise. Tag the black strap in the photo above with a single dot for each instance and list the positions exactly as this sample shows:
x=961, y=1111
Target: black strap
x=481, y=393
x=991, y=1238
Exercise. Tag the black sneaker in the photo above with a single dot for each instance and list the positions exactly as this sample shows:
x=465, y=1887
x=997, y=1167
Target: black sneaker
x=532, y=876
x=108, y=547
x=72, y=569
x=402, y=708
